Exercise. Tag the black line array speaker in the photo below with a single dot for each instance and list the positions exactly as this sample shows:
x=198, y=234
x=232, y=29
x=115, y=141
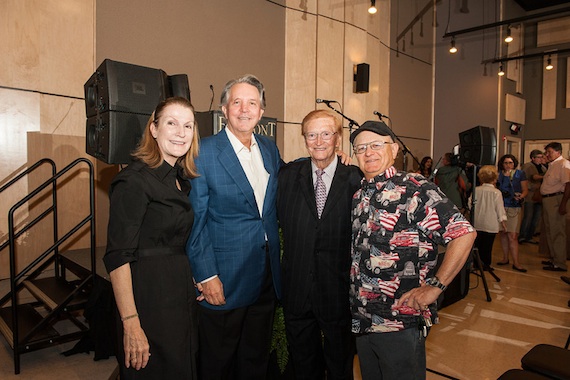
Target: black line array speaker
x=478, y=145
x=178, y=86
x=119, y=99
x=112, y=136
x=118, y=86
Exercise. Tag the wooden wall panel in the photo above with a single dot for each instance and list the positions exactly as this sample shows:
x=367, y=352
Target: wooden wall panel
x=48, y=49
x=552, y=32
x=300, y=78
x=515, y=109
x=567, y=82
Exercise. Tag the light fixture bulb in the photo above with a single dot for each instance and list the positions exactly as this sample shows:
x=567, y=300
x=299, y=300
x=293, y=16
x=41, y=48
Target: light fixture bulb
x=501, y=71
x=509, y=38
x=372, y=10
x=549, y=65
x=453, y=49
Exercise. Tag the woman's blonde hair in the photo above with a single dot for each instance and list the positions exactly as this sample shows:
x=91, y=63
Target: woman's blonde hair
x=488, y=174
x=148, y=151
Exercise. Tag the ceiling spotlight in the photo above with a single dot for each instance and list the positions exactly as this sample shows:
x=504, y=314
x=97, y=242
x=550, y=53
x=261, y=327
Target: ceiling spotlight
x=372, y=10
x=509, y=38
x=549, y=64
x=453, y=49
x=501, y=71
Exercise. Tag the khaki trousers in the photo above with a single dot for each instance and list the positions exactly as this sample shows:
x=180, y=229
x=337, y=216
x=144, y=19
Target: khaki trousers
x=555, y=229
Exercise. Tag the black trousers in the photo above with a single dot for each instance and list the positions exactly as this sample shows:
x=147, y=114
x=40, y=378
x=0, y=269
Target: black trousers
x=320, y=343
x=235, y=344
x=484, y=242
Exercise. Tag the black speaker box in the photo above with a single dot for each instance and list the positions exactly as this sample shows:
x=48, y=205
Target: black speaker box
x=458, y=288
x=118, y=86
x=112, y=136
x=361, y=78
x=478, y=145
x=178, y=86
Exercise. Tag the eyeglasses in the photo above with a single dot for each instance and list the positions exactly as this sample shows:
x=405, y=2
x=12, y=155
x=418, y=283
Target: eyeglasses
x=326, y=135
x=374, y=145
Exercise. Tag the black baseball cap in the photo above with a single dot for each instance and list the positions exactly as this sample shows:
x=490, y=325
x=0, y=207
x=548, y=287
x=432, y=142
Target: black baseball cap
x=378, y=127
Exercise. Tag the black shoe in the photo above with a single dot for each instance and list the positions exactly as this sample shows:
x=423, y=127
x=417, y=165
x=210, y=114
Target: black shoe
x=503, y=262
x=522, y=241
x=532, y=242
x=546, y=262
x=522, y=270
x=566, y=279
x=554, y=268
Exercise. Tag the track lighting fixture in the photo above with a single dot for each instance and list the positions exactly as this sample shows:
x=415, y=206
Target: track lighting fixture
x=453, y=49
x=509, y=38
x=372, y=9
x=501, y=71
x=549, y=65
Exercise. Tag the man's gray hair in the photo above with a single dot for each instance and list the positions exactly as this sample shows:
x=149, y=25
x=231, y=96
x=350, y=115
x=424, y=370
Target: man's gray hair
x=249, y=79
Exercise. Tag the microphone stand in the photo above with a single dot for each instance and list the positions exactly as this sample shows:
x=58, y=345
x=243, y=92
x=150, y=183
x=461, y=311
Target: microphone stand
x=405, y=149
x=351, y=123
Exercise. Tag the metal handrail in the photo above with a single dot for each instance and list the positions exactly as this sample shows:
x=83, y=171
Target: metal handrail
x=22, y=175
x=15, y=278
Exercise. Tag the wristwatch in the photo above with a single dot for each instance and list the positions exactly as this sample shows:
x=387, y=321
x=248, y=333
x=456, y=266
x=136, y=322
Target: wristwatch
x=434, y=281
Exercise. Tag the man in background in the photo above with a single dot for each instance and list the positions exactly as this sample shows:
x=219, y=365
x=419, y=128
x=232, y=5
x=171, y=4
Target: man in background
x=555, y=190
x=532, y=210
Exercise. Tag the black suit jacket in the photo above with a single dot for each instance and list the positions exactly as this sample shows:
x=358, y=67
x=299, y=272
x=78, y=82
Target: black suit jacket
x=316, y=252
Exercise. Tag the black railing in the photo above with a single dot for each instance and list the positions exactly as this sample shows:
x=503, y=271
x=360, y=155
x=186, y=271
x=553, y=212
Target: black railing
x=50, y=255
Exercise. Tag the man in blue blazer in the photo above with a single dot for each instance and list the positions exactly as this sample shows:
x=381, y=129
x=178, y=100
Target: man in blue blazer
x=234, y=245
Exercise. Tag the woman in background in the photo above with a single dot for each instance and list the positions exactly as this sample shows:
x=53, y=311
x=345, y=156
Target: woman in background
x=490, y=216
x=513, y=185
x=149, y=222
x=425, y=168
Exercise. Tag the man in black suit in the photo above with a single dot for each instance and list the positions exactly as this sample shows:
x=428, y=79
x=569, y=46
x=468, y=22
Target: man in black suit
x=314, y=213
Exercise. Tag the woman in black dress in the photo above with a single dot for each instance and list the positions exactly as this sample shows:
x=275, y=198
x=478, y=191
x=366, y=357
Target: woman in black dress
x=150, y=220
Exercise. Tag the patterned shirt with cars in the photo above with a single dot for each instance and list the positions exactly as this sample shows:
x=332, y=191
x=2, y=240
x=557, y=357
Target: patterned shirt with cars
x=399, y=219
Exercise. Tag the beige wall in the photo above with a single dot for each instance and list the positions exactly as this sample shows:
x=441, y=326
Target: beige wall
x=48, y=53
x=322, y=45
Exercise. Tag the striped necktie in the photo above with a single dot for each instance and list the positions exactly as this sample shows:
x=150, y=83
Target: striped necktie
x=320, y=192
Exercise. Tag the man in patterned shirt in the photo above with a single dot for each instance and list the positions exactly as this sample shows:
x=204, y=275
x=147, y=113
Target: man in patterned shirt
x=399, y=219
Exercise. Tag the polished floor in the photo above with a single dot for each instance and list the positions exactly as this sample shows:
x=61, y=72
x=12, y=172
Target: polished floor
x=475, y=339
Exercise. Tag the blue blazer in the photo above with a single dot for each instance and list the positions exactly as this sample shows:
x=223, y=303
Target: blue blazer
x=228, y=236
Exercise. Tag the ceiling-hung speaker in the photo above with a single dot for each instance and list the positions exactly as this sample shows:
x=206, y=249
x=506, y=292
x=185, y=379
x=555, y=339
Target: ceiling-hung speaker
x=478, y=145
x=119, y=86
x=112, y=136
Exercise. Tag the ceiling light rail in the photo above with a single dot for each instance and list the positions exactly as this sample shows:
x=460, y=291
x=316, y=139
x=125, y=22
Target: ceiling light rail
x=556, y=13
x=525, y=56
x=419, y=17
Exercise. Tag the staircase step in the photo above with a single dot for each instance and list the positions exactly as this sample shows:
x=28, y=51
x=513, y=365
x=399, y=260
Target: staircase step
x=52, y=292
x=28, y=318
